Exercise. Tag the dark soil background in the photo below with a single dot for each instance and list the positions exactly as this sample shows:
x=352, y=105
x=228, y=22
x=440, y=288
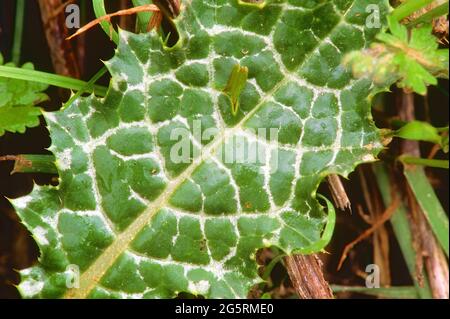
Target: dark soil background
x=17, y=248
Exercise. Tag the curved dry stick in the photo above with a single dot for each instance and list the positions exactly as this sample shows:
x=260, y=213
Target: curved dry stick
x=144, y=8
x=384, y=218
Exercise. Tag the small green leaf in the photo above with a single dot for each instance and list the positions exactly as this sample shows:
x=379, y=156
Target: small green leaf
x=398, y=30
x=413, y=61
x=17, y=119
x=17, y=100
x=16, y=92
x=419, y=131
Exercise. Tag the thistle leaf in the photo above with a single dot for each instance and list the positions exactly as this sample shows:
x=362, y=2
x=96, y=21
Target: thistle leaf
x=130, y=219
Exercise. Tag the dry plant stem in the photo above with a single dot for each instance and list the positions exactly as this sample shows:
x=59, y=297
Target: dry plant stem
x=170, y=8
x=62, y=53
x=436, y=264
x=366, y=217
x=144, y=8
x=155, y=21
x=124, y=21
x=426, y=244
x=406, y=113
x=380, y=221
x=381, y=253
x=340, y=197
x=60, y=9
x=374, y=204
x=439, y=277
x=8, y=158
x=307, y=277
x=19, y=161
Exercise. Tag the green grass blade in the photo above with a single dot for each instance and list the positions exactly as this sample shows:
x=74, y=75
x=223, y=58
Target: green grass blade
x=401, y=227
x=50, y=79
x=409, y=7
x=430, y=15
x=384, y=292
x=18, y=31
x=423, y=161
x=100, y=11
x=428, y=201
x=88, y=87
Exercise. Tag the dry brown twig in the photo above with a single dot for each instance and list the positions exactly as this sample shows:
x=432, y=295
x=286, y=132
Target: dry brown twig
x=107, y=18
x=375, y=209
x=338, y=192
x=429, y=252
x=383, y=218
x=305, y=272
x=62, y=53
x=60, y=8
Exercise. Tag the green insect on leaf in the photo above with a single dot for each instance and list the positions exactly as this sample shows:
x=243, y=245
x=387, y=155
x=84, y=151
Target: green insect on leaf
x=235, y=86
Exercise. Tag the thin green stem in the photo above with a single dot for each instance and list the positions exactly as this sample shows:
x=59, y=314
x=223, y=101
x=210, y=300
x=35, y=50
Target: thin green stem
x=271, y=265
x=383, y=292
x=18, y=31
x=409, y=7
x=327, y=233
x=87, y=88
x=423, y=161
x=50, y=79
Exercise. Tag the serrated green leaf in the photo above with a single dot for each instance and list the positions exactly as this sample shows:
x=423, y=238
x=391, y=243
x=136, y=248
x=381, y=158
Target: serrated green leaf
x=138, y=224
x=17, y=119
x=21, y=93
x=413, y=61
x=398, y=30
x=17, y=100
x=413, y=76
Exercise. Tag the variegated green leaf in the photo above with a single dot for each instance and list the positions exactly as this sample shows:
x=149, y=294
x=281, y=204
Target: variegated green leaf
x=136, y=223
